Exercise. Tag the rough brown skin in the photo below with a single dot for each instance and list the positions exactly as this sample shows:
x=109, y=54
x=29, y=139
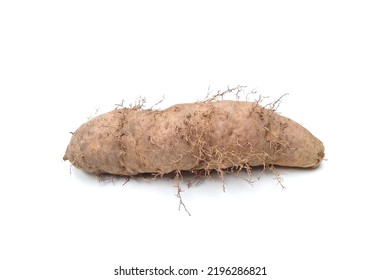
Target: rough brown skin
x=197, y=136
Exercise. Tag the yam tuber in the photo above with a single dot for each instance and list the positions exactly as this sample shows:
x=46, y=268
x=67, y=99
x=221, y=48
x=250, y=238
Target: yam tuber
x=205, y=136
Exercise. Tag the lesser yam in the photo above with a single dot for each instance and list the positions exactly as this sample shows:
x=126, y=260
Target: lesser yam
x=205, y=136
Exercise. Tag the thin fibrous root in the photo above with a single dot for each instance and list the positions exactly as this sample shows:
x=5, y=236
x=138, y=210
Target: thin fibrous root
x=277, y=175
x=179, y=179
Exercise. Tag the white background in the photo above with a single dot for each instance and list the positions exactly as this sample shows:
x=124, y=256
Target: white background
x=61, y=60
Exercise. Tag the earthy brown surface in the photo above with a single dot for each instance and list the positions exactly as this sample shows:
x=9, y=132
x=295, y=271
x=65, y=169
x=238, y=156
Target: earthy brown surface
x=197, y=136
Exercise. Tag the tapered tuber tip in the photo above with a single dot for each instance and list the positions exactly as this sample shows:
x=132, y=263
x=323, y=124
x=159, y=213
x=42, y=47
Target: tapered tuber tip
x=65, y=157
x=320, y=155
x=317, y=153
